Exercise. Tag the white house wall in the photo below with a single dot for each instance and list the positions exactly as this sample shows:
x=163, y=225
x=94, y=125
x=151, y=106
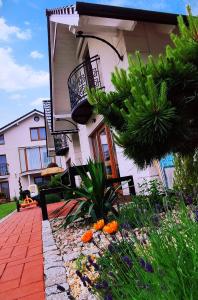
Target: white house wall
x=15, y=137
x=64, y=61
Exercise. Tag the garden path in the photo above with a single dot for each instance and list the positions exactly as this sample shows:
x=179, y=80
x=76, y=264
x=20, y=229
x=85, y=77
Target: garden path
x=21, y=259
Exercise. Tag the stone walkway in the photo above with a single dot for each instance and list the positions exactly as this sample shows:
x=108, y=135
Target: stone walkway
x=21, y=259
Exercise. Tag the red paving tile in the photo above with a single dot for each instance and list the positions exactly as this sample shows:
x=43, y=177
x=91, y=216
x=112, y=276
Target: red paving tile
x=21, y=259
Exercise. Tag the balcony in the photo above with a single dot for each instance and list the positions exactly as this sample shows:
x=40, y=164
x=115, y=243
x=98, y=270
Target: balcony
x=4, y=169
x=84, y=75
x=61, y=144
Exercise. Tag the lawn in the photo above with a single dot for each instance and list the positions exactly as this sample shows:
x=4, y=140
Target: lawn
x=6, y=209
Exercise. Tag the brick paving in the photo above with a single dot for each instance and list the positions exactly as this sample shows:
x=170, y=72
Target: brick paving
x=21, y=259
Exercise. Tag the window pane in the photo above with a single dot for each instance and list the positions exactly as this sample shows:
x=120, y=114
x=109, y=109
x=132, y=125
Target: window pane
x=22, y=159
x=42, y=133
x=44, y=158
x=33, y=157
x=3, y=159
x=34, y=134
x=4, y=188
x=2, y=142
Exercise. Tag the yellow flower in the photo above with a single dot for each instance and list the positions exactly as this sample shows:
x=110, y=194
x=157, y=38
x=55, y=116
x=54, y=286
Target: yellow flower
x=87, y=236
x=99, y=225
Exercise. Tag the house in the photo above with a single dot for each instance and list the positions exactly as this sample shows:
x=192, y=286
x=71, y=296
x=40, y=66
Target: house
x=23, y=153
x=86, y=42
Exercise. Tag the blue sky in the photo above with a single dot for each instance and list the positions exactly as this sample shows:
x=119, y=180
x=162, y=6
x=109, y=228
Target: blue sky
x=24, y=54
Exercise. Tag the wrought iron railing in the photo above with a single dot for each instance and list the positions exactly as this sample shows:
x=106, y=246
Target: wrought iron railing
x=4, y=169
x=84, y=75
x=60, y=143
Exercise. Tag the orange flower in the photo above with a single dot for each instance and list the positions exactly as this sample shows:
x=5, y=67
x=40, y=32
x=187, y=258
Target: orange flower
x=99, y=225
x=111, y=227
x=87, y=236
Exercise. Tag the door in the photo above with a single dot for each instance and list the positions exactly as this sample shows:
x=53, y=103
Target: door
x=104, y=150
x=4, y=188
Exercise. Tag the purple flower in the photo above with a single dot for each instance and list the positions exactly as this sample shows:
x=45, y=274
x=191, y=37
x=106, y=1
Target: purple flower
x=111, y=248
x=108, y=297
x=127, y=260
x=78, y=273
x=90, y=260
x=96, y=266
x=126, y=226
x=146, y=266
x=188, y=200
x=105, y=285
x=196, y=215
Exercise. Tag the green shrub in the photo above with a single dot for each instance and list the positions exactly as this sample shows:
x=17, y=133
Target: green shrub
x=55, y=181
x=52, y=198
x=153, y=107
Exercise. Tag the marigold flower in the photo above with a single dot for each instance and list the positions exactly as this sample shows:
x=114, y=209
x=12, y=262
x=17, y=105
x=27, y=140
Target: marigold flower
x=87, y=236
x=99, y=225
x=111, y=227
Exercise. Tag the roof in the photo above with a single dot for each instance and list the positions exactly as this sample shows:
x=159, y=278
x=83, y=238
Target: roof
x=115, y=12
x=20, y=119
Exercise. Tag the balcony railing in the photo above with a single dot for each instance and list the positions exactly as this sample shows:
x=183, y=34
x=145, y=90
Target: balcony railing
x=61, y=144
x=4, y=169
x=84, y=75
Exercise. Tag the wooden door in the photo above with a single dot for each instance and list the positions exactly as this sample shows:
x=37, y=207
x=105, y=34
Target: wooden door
x=104, y=150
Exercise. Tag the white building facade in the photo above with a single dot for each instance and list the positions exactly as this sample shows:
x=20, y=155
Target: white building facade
x=23, y=153
x=86, y=42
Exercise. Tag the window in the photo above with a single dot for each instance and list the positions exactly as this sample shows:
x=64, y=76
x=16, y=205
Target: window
x=103, y=148
x=38, y=133
x=4, y=188
x=41, y=180
x=2, y=141
x=34, y=158
x=3, y=165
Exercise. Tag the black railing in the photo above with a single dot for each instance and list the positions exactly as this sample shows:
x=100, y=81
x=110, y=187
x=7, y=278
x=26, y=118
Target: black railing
x=84, y=75
x=61, y=144
x=4, y=169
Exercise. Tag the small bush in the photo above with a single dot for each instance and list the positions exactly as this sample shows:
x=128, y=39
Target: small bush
x=52, y=198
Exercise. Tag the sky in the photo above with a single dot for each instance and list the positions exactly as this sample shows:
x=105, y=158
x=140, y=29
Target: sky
x=24, y=71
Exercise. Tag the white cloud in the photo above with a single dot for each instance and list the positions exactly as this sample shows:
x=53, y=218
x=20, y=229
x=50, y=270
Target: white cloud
x=8, y=31
x=17, y=96
x=39, y=101
x=15, y=77
x=36, y=54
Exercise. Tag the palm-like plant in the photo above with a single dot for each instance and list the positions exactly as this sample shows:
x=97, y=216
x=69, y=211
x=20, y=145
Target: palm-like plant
x=93, y=197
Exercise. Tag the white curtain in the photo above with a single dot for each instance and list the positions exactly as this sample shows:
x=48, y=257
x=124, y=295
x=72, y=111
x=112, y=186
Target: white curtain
x=33, y=157
x=22, y=159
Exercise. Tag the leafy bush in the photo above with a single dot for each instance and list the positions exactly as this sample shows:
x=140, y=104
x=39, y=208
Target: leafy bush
x=93, y=197
x=164, y=267
x=154, y=106
x=52, y=198
x=55, y=181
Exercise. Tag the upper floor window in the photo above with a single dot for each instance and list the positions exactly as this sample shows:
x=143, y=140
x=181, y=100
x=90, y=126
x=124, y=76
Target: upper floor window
x=2, y=141
x=37, y=133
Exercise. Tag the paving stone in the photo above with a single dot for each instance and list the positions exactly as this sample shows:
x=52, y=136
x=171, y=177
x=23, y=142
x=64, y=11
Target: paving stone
x=56, y=271
x=49, y=242
x=52, y=253
x=62, y=296
x=55, y=290
x=57, y=280
x=50, y=248
x=52, y=258
x=71, y=256
x=53, y=264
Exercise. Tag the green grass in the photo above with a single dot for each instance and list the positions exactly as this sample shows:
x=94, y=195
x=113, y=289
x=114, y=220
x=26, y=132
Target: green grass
x=6, y=209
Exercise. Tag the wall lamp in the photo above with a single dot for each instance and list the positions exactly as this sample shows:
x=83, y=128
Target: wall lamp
x=80, y=34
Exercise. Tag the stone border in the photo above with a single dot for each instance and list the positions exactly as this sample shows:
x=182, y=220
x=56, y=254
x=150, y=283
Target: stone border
x=56, y=287
x=6, y=217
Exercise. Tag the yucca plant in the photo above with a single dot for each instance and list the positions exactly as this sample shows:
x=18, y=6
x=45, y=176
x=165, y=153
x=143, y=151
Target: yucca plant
x=93, y=197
